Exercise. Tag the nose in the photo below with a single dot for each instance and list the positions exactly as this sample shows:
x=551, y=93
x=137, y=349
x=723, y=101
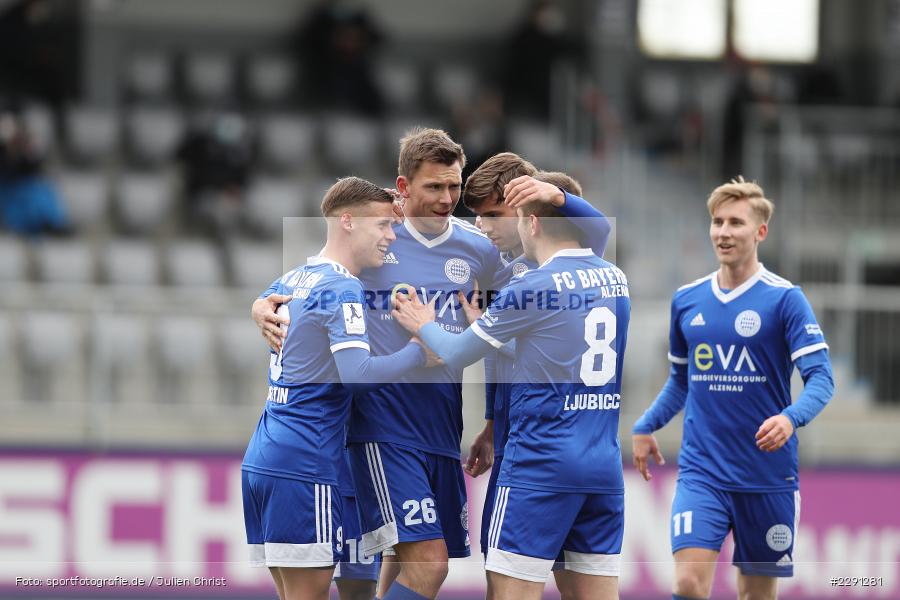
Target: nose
x=390, y=235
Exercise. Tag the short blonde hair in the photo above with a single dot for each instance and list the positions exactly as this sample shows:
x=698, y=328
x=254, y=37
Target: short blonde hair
x=739, y=189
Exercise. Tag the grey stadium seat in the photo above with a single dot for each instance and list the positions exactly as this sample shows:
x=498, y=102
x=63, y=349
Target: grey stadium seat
x=209, y=77
x=122, y=340
x=401, y=84
x=454, y=83
x=194, y=263
x=91, y=133
x=85, y=196
x=65, y=261
x=286, y=141
x=38, y=120
x=49, y=342
x=254, y=264
x=143, y=200
x=149, y=75
x=244, y=357
x=537, y=141
x=269, y=200
x=13, y=259
x=351, y=143
x=270, y=78
x=154, y=133
x=184, y=343
x=130, y=262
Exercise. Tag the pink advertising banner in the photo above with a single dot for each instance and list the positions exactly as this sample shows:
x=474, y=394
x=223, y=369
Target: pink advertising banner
x=145, y=525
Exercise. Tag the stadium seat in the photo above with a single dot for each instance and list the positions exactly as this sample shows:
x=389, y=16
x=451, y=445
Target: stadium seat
x=401, y=84
x=254, y=265
x=38, y=120
x=50, y=343
x=122, y=340
x=270, y=79
x=538, y=142
x=153, y=134
x=13, y=259
x=244, y=357
x=149, y=76
x=269, y=200
x=130, y=262
x=286, y=141
x=85, y=197
x=184, y=345
x=65, y=261
x=6, y=343
x=143, y=200
x=92, y=134
x=193, y=264
x=351, y=143
x=454, y=84
x=209, y=77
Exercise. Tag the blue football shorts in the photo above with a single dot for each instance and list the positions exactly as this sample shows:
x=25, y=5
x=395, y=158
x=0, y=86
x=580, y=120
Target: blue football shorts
x=530, y=530
x=407, y=495
x=764, y=525
x=291, y=523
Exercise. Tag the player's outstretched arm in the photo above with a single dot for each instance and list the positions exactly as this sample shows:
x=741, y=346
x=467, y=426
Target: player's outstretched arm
x=360, y=372
x=269, y=323
x=818, y=389
x=668, y=403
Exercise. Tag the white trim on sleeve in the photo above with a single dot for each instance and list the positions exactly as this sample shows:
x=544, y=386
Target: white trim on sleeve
x=344, y=345
x=476, y=328
x=677, y=359
x=808, y=350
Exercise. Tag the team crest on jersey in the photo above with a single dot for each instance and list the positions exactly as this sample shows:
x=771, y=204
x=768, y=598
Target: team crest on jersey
x=457, y=270
x=779, y=537
x=519, y=269
x=747, y=323
x=354, y=323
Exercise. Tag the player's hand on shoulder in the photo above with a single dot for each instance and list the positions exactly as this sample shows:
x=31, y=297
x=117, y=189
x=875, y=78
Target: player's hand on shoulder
x=644, y=446
x=774, y=433
x=269, y=322
x=398, y=203
x=525, y=189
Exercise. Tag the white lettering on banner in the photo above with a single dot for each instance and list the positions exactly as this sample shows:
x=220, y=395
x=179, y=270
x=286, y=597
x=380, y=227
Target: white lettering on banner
x=35, y=531
x=191, y=521
x=99, y=488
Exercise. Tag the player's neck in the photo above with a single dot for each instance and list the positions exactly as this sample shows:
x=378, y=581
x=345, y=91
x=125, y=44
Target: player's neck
x=429, y=225
x=732, y=276
x=340, y=255
x=545, y=250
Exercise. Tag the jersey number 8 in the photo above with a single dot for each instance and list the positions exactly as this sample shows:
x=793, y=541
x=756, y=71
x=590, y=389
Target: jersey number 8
x=599, y=346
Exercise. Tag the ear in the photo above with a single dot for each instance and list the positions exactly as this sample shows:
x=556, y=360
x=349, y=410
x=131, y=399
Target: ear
x=762, y=232
x=403, y=186
x=346, y=221
x=535, y=224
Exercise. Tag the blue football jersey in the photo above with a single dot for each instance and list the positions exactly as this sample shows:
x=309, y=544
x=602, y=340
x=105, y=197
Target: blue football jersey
x=570, y=320
x=423, y=409
x=739, y=347
x=503, y=372
x=301, y=432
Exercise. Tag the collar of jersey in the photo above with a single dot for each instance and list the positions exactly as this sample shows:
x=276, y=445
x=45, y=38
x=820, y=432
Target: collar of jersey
x=321, y=260
x=726, y=297
x=570, y=252
x=424, y=240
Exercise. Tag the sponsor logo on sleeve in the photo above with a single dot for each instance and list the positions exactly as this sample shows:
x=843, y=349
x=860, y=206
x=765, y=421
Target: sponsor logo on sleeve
x=354, y=322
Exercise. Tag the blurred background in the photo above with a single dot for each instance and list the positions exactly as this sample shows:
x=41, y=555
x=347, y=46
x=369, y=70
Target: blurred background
x=149, y=151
